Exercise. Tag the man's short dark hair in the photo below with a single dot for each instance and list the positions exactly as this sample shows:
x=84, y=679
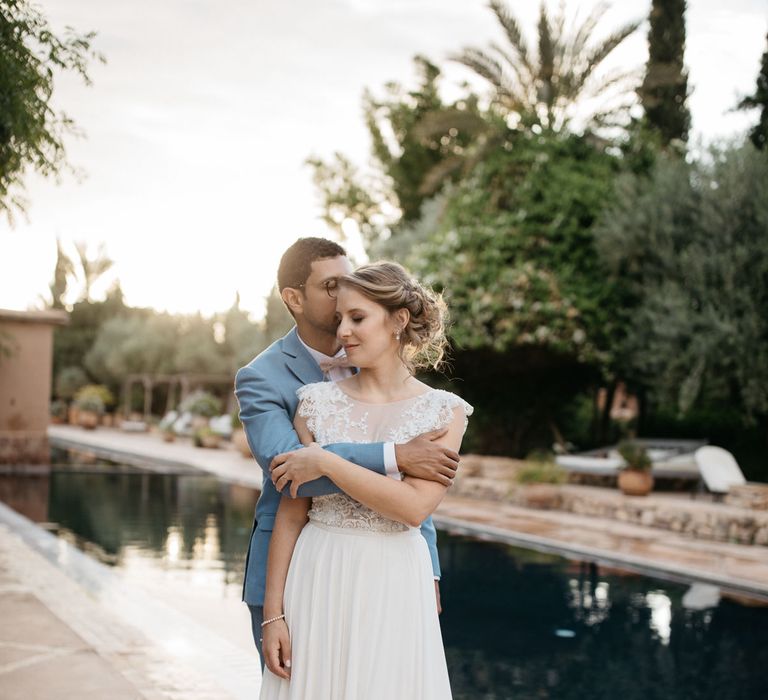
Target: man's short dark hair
x=296, y=263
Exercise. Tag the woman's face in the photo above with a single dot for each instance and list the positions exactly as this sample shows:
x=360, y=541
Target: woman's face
x=366, y=329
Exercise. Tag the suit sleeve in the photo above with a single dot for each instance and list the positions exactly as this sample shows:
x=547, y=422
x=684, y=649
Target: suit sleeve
x=269, y=430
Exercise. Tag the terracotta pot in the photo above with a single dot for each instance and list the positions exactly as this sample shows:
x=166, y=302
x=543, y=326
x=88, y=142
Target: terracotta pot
x=72, y=414
x=241, y=442
x=107, y=420
x=169, y=437
x=88, y=419
x=635, y=482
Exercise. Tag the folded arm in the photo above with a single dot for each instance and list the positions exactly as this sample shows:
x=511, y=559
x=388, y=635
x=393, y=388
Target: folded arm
x=409, y=501
x=270, y=432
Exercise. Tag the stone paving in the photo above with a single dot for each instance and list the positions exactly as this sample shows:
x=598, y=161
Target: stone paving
x=74, y=628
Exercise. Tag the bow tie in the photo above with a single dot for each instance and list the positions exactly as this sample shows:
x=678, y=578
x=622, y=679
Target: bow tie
x=328, y=365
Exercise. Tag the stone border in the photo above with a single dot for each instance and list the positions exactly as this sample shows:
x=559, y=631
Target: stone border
x=664, y=571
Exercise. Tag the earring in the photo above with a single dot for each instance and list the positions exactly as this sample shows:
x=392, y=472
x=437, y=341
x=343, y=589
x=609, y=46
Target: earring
x=397, y=334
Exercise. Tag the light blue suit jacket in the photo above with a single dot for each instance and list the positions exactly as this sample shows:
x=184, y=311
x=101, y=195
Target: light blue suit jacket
x=266, y=390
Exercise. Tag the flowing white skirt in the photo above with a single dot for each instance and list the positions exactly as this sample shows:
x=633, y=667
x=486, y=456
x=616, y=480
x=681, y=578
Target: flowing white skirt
x=361, y=610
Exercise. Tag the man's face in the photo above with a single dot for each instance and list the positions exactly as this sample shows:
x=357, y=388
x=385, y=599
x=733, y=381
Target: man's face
x=319, y=306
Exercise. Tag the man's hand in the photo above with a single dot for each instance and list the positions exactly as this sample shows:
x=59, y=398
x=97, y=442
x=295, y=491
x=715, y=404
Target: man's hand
x=298, y=467
x=423, y=458
x=437, y=595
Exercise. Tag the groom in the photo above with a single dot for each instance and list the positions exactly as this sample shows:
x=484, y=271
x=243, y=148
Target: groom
x=266, y=390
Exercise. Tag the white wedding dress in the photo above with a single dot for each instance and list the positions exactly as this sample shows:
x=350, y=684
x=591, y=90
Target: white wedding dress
x=360, y=597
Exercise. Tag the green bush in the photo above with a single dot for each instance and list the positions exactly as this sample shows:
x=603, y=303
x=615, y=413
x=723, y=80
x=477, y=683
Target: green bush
x=635, y=456
x=202, y=403
x=90, y=403
x=94, y=397
x=69, y=381
x=59, y=409
x=541, y=473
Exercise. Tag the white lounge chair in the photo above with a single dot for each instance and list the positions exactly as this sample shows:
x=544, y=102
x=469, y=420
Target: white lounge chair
x=719, y=470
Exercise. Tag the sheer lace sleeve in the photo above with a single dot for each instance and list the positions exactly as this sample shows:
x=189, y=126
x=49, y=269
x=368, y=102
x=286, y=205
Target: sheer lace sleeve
x=314, y=402
x=431, y=411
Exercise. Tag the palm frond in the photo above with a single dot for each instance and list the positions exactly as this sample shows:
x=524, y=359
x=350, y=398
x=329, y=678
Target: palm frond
x=514, y=34
x=578, y=44
x=602, y=50
x=481, y=63
x=558, y=34
x=629, y=78
x=546, y=50
x=525, y=85
x=487, y=67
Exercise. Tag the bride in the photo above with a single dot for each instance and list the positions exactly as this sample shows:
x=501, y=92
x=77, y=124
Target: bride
x=350, y=608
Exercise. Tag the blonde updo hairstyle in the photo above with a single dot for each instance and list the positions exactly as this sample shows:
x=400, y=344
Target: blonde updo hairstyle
x=422, y=341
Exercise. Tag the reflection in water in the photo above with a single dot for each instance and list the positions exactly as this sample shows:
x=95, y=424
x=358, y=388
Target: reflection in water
x=661, y=614
x=173, y=544
x=516, y=623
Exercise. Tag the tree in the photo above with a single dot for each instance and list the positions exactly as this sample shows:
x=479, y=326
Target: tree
x=73, y=341
x=62, y=272
x=528, y=295
x=524, y=268
x=689, y=244
x=243, y=339
x=759, y=100
x=31, y=131
x=545, y=90
x=92, y=266
x=277, y=319
x=665, y=87
x=133, y=345
x=68, y=381
x=419, y=143
x=197, y=350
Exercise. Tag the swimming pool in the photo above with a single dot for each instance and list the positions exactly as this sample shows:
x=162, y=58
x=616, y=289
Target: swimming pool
x=516, y=623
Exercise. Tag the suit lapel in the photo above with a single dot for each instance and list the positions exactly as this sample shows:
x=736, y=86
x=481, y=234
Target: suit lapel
x=299, y=361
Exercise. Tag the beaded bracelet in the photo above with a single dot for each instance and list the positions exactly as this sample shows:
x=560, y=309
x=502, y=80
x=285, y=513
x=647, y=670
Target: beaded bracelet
x=273, y=619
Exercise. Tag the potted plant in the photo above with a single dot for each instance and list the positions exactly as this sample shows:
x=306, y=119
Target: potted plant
x=58, y=411
x=90, y=407
x=202, y=405
x=68, y=382
x=538, y=482
x=635, y=477
x=205, y=437
x=238, y=436
x=165, y=426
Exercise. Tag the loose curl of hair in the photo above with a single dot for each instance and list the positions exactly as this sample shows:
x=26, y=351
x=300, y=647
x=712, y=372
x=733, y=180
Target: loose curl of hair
x=423, y=341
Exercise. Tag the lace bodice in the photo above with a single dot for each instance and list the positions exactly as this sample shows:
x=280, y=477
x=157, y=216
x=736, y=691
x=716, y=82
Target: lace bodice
x=333, y=416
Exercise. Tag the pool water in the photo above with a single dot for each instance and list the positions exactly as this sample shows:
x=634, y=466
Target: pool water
x=516, y=623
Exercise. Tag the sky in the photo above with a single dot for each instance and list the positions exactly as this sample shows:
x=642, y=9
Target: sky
x=197, y=129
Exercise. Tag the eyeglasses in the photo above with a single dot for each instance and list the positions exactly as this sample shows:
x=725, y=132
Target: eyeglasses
x=331, y=286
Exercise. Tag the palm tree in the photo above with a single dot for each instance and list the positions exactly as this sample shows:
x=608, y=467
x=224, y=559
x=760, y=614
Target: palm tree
x=91, y=267
x=546, y=89
x=62, y=272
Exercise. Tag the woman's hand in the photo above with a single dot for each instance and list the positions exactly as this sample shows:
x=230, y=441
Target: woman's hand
x=298, y=467
x=276, y=646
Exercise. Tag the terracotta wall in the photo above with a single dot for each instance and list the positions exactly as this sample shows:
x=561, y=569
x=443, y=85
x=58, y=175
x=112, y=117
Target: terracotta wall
x=25, y=383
